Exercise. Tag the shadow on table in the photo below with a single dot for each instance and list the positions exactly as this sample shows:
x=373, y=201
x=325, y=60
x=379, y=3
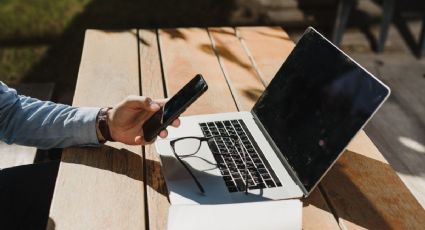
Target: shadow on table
x=186, y=188
x=360, y=190
x=368, y=193
x=121, y=161
x=50, y=224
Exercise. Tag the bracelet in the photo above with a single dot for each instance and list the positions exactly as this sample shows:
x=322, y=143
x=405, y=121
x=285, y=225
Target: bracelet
x=103, y=124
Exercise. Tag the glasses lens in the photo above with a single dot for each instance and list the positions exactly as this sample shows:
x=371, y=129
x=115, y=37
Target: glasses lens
x=187, y=146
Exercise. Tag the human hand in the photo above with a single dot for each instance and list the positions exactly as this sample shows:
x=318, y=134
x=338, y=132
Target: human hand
x=126, y=119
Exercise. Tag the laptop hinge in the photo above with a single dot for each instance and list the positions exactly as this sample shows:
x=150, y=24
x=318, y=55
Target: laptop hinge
x=282, y=158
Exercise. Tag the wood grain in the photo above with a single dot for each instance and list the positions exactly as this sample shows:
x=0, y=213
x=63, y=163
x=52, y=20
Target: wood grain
x=102, y=188
x=361, y=179
x=157, y=203
x=186, y=52
x=268, y=48
x=237, y=67
x=365, y=192
x=16, y=155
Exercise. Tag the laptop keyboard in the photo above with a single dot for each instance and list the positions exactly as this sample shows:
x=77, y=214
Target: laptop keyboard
x=232, y=167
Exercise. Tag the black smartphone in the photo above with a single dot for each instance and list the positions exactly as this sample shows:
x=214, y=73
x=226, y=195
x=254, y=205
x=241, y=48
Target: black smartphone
x=174, y=107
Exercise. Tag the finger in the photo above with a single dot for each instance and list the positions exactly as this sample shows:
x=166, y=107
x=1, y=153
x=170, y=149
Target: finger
x=163, y=133
x=162, y=101
x=176, y=123
x=144, y=116
x=140, y=102
x=138, y=140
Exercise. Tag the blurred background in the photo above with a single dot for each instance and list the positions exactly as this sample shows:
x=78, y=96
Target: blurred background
x=41, y=43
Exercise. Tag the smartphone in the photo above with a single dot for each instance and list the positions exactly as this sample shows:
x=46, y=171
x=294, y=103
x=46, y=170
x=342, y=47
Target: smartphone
x=174, y=107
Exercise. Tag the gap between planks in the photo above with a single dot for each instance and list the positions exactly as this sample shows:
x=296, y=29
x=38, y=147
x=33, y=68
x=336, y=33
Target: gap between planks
x=225, y=73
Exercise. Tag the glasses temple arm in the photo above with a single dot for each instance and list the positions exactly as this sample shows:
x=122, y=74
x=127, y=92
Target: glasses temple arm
x=190, y=172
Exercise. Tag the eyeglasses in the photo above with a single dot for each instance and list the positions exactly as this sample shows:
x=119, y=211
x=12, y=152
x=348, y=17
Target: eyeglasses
x=189, y=146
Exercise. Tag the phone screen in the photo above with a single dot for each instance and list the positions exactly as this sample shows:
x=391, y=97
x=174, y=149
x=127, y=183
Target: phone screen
x=174, y=107
x=184, y=96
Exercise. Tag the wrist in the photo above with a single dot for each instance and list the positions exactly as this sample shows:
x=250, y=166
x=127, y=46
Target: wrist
x=102, y=126
x=100, y=138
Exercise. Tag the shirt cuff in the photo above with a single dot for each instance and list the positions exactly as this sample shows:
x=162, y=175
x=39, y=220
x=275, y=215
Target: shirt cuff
x=87, y=134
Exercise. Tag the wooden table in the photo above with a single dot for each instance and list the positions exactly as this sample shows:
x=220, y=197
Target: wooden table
x=121, y=187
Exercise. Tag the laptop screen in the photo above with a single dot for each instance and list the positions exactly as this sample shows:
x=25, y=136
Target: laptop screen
x=316, y=103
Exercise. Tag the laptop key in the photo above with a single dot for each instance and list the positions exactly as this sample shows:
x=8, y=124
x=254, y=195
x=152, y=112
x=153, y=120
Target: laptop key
x=240, y=185
x=213, y=148
x=232, y=188
x=265, y=176
x=221, y=165
x=260, y=165
x=263, y=171
x=230, y=160
x=258, y=161
x=241, y=166
x=225, y=172
x=219, y=159
x=227, y=178
x=230, y=183
x=219, y=124
x=269, y=183
x=261, y=185
x=236, y=175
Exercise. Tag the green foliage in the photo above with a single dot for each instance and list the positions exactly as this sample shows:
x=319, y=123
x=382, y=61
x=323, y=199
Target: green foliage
x=27, y=28
x=37, y=18
x=16, y=62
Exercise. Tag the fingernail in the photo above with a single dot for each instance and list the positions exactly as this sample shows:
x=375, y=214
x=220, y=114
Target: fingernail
x=154, y=105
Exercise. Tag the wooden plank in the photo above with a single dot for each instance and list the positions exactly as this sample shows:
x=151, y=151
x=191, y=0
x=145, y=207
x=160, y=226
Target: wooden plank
x=365, y=192
x=361, y=178
x=268, y=46
x=245, y=82
x=102, y=188
x=15, y=155
x=316, y=212
x=184, y=52
x=398, y=129
x=152, y=86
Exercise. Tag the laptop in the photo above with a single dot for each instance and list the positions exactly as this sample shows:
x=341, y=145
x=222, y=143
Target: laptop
x=315, y=105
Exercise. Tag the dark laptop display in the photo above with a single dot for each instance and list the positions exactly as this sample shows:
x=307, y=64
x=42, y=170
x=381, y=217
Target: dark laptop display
x=316, y=103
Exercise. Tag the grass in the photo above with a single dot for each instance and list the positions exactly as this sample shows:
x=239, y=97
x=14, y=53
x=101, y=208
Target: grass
x=28, y=28
x=17, y=61
x=42, y=40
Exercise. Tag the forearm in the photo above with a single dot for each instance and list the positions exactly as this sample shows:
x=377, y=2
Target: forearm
x=45, y=125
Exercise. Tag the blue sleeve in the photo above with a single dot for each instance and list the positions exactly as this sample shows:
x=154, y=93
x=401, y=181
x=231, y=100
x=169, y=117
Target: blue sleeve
x=42, y=124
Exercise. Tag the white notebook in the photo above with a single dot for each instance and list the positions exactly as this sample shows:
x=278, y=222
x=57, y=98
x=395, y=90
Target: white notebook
x=266, y=215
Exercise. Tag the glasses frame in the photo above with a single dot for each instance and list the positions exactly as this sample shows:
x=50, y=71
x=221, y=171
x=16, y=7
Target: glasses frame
x=202, y=139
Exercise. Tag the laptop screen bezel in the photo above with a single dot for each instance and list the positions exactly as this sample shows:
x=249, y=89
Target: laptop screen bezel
x=287, y=165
